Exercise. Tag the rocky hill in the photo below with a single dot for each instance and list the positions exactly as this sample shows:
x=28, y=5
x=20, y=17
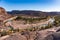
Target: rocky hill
x=3, y=14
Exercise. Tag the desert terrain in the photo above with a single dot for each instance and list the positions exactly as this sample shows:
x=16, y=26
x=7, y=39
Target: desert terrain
x=14, y=27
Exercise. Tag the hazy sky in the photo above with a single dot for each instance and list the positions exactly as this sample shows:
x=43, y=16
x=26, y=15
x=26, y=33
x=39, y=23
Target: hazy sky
x=42, y=5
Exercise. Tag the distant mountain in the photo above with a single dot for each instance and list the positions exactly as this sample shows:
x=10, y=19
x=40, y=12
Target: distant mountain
x=33, y=13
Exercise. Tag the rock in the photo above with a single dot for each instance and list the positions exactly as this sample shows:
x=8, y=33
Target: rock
x=49, y=37
x=15, y=36
x=2, y=11
x=58, y=30
x=53, y=36
x=3, y=14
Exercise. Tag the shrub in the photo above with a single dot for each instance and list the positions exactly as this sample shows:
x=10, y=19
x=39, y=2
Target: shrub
x=42, y=28
x=3, y=33
x=11, y=28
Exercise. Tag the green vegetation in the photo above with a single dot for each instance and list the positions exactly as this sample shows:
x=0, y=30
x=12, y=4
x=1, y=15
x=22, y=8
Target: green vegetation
x=30, y=20
x=3, y=33
x=11, y=28
x=57, y=20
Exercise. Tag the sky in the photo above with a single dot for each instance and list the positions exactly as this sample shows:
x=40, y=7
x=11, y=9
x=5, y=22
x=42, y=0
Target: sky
x=40, y=5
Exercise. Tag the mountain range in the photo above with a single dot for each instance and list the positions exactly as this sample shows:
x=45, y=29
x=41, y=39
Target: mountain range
x=32, y=13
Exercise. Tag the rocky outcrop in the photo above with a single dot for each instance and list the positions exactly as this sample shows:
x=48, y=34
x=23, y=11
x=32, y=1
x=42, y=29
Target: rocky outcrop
x=3, y=14
x=15, y=36
x=47, y=34
x=2, y=11
x=54, y=36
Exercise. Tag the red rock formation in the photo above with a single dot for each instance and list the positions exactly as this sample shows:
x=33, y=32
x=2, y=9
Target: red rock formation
x=3, y=14
x=2, y=11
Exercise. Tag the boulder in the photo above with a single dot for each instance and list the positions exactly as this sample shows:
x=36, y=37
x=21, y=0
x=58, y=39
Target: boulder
x=53, y=36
